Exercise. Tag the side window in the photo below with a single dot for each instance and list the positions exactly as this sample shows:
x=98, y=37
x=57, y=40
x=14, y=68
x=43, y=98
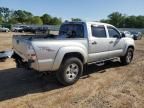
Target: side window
x=72, y=31
x=98, y=31
x=79, y=31
x=113, y=33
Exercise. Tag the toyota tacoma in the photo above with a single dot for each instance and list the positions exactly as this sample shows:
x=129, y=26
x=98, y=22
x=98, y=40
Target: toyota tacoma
x=77, y=45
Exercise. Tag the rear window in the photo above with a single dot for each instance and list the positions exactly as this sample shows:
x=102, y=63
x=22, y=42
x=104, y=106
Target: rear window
x=72, y=31
x=98, y=31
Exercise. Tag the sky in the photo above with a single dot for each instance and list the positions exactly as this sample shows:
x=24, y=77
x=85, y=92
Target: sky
x=88, y=10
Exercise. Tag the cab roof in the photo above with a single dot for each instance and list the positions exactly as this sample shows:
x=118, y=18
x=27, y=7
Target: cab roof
x=89, y=23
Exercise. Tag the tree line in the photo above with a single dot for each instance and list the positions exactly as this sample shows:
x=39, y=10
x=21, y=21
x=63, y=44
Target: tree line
x=123, y=21
x=24, y=17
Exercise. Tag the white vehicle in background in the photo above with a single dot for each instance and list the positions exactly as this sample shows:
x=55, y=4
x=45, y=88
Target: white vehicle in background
x=136, y=35
x=4, y=29
x=17, y=29
x=128, y=34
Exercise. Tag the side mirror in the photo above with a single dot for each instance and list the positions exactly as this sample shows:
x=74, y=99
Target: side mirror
x=123, y=35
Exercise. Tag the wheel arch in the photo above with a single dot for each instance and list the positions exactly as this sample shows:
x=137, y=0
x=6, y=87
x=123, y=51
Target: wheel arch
x=129, y=46
x=74, y=54
x=67, y=52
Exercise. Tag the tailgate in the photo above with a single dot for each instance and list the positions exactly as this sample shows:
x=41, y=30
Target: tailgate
x=20, y=45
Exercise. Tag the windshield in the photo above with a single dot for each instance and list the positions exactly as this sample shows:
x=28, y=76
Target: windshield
x=71, y=31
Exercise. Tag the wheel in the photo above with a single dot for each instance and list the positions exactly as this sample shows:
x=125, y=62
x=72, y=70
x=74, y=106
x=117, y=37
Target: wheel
x=19, y=63
x=125, y=60
x=18, y=60
x=70, y=71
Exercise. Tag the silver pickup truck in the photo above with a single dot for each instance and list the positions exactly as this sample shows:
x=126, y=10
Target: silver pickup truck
x=77, y=45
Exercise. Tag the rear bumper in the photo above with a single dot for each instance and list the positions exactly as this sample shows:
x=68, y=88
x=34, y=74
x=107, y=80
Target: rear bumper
x=26, y=63
x=38, y=65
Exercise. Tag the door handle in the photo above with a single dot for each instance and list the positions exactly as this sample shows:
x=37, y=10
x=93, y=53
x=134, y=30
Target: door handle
x=111, y=42
x=93, y=43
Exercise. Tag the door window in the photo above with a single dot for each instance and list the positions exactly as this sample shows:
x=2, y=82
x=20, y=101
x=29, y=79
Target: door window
x=113, y=33
x=98, y=31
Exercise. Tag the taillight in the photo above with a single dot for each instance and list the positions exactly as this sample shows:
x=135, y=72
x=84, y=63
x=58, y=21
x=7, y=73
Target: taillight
x=31, y=53
x=32, y=57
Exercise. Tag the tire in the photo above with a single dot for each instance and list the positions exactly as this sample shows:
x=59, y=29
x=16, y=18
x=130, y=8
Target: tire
x=70, y=71
x=19, y=63
x=125, y=60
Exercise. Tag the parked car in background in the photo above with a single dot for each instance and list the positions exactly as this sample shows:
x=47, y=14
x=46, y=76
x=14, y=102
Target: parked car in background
x=127, y=34
x=27, y=29
x=17, y=29
x=41, y=30
x=136, y=35
x=4, y=29
x=37, y=30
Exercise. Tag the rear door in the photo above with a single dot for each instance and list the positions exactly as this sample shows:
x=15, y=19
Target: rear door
x=98, y=43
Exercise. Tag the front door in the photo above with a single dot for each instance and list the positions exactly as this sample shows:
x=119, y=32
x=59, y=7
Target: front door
x=116, y=43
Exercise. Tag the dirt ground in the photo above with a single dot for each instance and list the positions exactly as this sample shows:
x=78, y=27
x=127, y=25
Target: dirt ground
x=108, y=86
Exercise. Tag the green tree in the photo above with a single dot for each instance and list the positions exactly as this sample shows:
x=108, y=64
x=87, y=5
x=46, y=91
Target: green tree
x=46, y=19
x=130, y=22
x=36, y=20
x=139, y=22
x=55, y=21
x=22, y=16
x=0, y=20
x=13, y=20
x=116, y=19
x=28, y=17
x=76, y=19
x=5, y=13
